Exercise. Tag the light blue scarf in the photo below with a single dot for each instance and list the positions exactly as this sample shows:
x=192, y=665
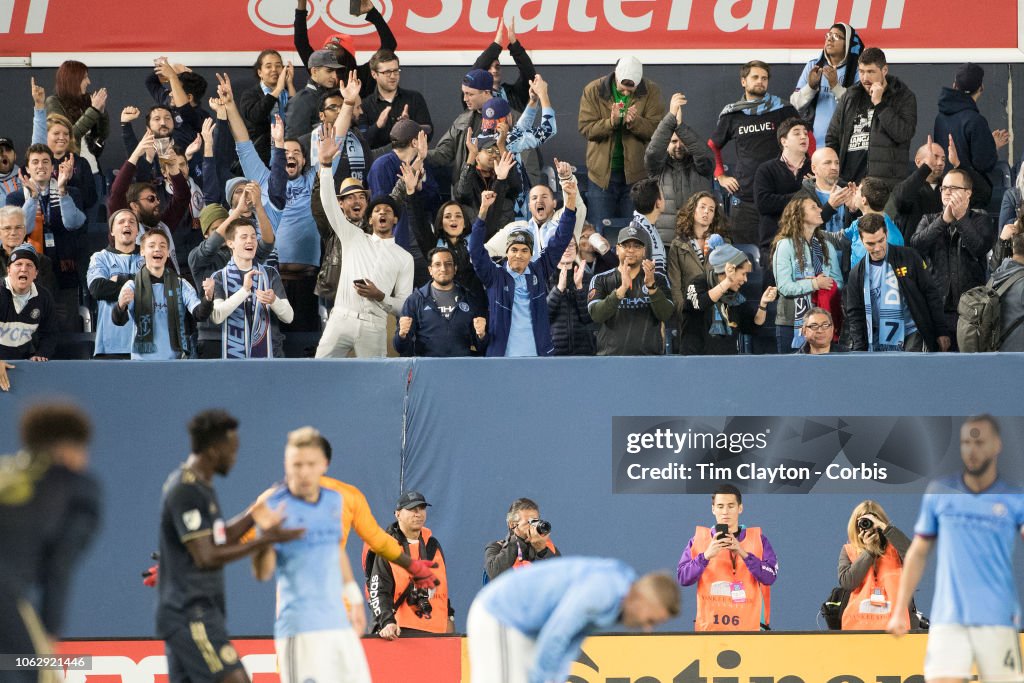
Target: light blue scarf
x=890, y=312
x=246, y=333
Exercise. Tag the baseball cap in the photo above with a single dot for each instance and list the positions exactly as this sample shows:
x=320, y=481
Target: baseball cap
x=406, y=130
x=969, y=78
x=25, y=251
x=495, y=108
x=411, y=499
x=632, y=232
x=350, y=186
x=7, y=142
x=479, y=80
x=628, y=71
x=486, y=142
x=519, y=237
x=325, y=58
x=342, y=40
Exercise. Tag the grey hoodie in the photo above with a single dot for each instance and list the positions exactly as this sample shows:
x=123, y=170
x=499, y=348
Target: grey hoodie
x=1013, y=303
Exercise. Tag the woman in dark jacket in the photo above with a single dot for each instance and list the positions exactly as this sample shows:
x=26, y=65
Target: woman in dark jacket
x=696, y=222
x=450, y=229
x=87, y=112
x=572, y=330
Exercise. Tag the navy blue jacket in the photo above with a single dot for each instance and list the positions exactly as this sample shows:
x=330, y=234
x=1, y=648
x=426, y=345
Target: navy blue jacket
x=434, y=335
x=959, y=116
x=501, y=287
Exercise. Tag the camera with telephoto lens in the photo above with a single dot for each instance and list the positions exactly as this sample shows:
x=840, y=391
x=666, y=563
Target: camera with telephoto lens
x=419, y=600
x=543, y=527
x=864, y=524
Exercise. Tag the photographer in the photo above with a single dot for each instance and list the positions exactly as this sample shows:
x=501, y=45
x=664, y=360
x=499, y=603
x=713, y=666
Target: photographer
x=397, y=604
x=870, y=566
x=733, y=566
x=528, y=541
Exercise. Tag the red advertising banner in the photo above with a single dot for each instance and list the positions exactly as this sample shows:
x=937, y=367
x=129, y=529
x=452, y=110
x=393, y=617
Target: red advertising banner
x=201, y=32
x=438, y=660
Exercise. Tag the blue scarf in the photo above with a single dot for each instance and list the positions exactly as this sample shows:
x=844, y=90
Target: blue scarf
x=803, y=303
x=720, y=324
x=282, y=102
x=754, y=107
x=891, y=331
x=246, y=333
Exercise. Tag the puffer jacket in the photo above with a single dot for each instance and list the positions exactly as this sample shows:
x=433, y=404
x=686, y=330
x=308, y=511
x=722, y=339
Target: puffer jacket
x=956, y=252
x=892, y=129
x=678, y=179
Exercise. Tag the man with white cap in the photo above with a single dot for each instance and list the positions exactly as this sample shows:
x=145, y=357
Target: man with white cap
x=618, y=115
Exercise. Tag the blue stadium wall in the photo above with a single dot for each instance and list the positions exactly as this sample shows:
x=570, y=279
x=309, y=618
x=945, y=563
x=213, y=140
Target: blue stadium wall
x=473, y=434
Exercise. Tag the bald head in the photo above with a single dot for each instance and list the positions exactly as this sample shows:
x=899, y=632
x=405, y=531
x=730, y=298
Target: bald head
x=935, y=157
x=825, y=166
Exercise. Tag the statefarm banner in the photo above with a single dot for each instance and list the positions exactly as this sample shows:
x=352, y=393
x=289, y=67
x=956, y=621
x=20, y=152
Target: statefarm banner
x=200, y=32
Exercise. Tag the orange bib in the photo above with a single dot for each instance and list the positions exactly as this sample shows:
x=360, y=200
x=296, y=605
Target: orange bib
x=870, y=605
x=729, y=598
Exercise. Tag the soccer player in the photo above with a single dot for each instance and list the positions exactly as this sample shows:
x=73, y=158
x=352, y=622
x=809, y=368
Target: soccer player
x=527, y=626
x=356, y=514
x=195, y=544
x=312, y=634
x=49, y=512
x=975, y=613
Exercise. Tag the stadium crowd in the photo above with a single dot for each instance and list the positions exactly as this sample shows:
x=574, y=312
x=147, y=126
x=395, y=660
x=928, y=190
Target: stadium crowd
x=339, y=213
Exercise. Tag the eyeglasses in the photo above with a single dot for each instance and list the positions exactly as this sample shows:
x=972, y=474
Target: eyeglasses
x=389, y=72
x=814, y=327
x=152, y=198
x=950, y=188
x=834, y=36
x=632, y=244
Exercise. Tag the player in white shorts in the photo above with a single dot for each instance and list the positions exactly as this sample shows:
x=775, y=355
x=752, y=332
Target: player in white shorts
x=974, y=519
x=314, y=638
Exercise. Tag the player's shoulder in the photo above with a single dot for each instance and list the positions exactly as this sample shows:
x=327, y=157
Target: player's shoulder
x=346, y=490
x=186, y=482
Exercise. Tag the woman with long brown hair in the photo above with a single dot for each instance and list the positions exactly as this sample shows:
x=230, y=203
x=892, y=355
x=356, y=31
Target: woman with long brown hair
x=806, y=266
x=696, y=222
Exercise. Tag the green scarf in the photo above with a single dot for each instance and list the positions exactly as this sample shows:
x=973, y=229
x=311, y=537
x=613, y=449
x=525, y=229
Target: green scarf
x=144, y=323
x=618, y=158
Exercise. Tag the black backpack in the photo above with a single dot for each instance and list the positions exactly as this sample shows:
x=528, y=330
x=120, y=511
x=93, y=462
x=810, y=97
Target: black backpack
x=833, y=607
x=980, y=321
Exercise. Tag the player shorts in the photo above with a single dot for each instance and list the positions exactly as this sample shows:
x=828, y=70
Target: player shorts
x=199, y=651
x=497, y=653
x=22, y=633
x=995, y=650
x=323, y=656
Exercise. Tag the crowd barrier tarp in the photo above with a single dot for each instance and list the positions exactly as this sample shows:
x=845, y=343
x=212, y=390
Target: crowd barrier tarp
x=478, y=433
x=558, y=31
x=778, y=658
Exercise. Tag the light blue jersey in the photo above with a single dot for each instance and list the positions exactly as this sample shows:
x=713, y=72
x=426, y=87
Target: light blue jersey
x=559, y=602
x=974, y=583
x=161, y=337
x=309, y=583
